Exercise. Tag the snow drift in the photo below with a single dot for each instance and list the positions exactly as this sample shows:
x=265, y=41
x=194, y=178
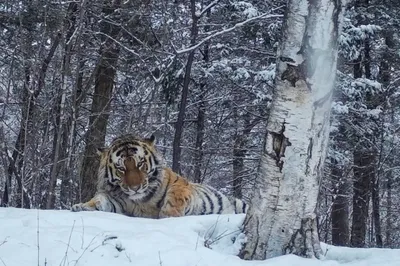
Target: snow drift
x=50, y=237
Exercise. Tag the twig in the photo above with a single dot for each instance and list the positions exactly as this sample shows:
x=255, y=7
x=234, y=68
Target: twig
x=104, y=242
x=62, y=242
x=119, y=43
x=207, y=240
x=197, y=241
x=211, y=5
x=4, y=241
x=3, y=261
x=37, y=238
x=128, y=256
x=326, y=251
x=159, y=258
x=69, y=241
x=84, y=251
x=83, y=233
x=214, y=226
x=222, y=235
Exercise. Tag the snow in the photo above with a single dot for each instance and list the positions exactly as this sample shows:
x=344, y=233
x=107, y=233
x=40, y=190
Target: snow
x=340, y=108
x=98, y=238
x=365, y=83
x=267, y=74
x=240, y=73
x=247, y=9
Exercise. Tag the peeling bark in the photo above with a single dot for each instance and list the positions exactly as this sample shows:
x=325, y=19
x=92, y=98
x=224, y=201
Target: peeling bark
x=306, y=236
x=282, y=217
x=279, y=144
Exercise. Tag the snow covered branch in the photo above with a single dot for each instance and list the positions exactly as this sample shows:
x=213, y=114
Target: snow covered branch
x=211, y=5
x=236, y=26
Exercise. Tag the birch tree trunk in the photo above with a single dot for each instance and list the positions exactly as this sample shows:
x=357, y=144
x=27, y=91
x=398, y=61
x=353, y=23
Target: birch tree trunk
x=282, y=217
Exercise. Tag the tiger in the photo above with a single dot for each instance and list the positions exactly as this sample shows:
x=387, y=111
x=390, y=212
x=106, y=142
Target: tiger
x=134, y=180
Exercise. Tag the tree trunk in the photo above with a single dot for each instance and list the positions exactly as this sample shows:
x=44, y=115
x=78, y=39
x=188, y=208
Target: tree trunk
x=198, y=158
x=282, y=216
x=387, y=62
x=376, y=211
x=389, y=226
x=176, y=149
x=363, y=171
x=104, y=82
x=340, y=208
x=78, y=96
x=238, y=164
x=364, y=164
x=67, y=195
x=59, y=146
x=201, y=112
x=239, y=150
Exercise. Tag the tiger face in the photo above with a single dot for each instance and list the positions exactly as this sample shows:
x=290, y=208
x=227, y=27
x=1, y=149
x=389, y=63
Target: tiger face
x=132, y=164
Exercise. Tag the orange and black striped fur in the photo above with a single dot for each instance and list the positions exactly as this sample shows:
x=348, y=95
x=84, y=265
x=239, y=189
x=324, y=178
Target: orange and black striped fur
x=133, y=180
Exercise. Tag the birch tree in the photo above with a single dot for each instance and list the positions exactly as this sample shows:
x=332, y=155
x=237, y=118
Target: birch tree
x=282, y=217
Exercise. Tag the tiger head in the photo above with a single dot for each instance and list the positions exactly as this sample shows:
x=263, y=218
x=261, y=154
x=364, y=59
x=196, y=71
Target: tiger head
x=133, y=164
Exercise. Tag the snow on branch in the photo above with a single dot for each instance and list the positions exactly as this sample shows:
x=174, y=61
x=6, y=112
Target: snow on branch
x=236, y=26
x=211, y=5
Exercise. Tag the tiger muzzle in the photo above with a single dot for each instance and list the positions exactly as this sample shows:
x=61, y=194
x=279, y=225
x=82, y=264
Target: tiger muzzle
x=132, y=177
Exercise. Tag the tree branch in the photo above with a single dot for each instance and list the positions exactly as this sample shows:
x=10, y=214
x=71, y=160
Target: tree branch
x=211, y=5
x=238, y=25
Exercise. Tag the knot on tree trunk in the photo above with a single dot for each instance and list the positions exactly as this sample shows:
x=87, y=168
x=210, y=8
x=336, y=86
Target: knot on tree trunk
x=279, y=144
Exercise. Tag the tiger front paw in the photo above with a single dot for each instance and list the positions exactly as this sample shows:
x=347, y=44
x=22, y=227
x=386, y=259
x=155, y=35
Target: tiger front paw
x=99, y=203
x=170, y=212
x=82, y=207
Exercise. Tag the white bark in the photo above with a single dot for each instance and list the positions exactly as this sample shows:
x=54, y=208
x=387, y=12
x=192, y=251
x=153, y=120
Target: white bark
x=282, y=216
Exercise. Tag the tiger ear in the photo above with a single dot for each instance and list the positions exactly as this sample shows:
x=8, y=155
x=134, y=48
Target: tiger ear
x=151, y=140
x=101, y=151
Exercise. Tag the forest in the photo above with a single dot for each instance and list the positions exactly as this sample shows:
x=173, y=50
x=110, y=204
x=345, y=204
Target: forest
x=200, y=76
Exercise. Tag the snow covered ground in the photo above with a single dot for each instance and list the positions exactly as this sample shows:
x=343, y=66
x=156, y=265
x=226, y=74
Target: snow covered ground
x=97, y=238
